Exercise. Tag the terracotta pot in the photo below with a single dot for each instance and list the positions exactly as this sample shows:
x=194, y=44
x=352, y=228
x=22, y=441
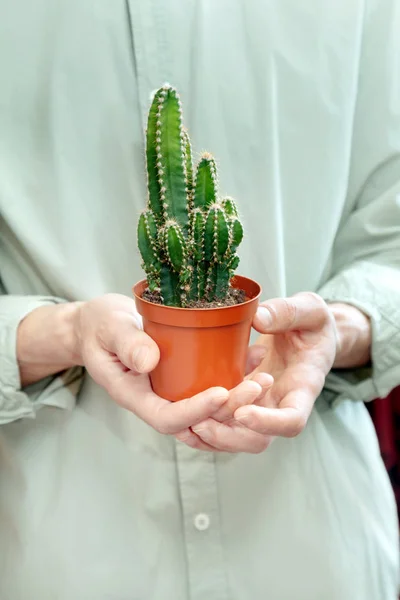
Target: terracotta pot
x=200, y=348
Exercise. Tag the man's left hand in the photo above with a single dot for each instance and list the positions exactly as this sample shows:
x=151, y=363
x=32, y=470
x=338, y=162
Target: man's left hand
x=297, y=349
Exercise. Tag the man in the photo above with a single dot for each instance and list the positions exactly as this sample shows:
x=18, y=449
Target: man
x=275, y=489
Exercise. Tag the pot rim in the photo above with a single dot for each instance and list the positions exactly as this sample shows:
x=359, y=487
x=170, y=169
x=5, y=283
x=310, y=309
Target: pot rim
x=202, y=310
x=219, y=316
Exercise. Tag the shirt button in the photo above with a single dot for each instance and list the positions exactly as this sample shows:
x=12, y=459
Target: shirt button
x=202, y=522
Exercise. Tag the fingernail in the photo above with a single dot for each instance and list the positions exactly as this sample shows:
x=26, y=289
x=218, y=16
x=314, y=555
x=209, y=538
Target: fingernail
x=220, y=397
x=140, y=357
x=196, y=429
x=264, y=316
x=243, y=419
x=201, y=432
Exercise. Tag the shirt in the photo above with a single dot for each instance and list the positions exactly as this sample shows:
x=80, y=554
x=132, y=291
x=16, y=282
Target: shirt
x=300, y=104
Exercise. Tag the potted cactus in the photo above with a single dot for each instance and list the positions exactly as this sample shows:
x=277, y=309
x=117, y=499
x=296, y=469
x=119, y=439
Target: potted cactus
x=192, y=303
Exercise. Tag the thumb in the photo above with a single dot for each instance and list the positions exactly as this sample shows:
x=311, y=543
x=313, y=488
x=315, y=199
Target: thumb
x=145, y=355
x=134, y=348
x=305, y=311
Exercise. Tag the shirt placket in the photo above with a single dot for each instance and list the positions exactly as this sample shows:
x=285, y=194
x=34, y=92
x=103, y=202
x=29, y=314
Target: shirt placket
x=149, y=48
x=196, y=471
x=197, y=480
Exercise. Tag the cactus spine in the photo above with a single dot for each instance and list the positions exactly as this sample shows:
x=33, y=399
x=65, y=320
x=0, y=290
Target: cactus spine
x=187, y=235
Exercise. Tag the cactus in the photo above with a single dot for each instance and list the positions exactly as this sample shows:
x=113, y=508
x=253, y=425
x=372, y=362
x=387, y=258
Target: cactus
x=188, y=235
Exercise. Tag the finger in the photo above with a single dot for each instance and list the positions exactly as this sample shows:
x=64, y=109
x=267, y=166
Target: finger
x=133, y=392
x=134, y=348
x=265, y=381
x=245, y=393
x=286, y=421
x=172, y=417
x=255, y=356
x=231, y=439
x=105, y=368
x=193, y=441
x=306, y=311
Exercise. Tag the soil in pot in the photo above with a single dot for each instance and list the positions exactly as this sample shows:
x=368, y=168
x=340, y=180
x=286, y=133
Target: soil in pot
x=235, y=296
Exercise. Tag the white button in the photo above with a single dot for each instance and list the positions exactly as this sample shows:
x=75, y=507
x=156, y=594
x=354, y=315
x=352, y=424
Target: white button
x=202, y=522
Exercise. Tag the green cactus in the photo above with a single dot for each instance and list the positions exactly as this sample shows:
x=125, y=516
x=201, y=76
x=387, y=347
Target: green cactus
x=187, y=235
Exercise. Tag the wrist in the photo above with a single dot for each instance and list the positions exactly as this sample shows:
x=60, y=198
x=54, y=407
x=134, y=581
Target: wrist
x=354, y=336
x=47, y=341
x=75, y=339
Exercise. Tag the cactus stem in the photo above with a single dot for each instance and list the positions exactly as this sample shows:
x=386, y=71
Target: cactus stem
x=187, y=237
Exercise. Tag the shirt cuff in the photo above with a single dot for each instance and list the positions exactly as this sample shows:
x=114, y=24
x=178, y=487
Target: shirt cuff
x=58, y=390
x=375, y=290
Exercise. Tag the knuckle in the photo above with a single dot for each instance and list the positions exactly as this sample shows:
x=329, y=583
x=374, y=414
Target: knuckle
x=161, y=424
x=315, y=298
x=319, y=304
x=118, y=317
x=222, y=414
x=289, y=311
x=318, y=382
x=296, y=426
x=162, y=428
x=260, y=446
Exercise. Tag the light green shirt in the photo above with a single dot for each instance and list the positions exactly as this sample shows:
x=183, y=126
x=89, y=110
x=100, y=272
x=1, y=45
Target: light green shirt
x=300, y=103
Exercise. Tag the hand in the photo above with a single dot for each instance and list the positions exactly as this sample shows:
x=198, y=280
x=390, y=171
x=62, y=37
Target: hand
x=118, y=355
x=299, y=347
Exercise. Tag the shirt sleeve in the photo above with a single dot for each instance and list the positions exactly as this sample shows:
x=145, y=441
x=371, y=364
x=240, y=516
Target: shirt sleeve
x=374, y=289
x=16, y=402
x=366, y=256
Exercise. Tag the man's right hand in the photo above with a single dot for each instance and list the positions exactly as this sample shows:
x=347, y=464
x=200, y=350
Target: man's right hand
x=105, y=336
x=119, y=355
